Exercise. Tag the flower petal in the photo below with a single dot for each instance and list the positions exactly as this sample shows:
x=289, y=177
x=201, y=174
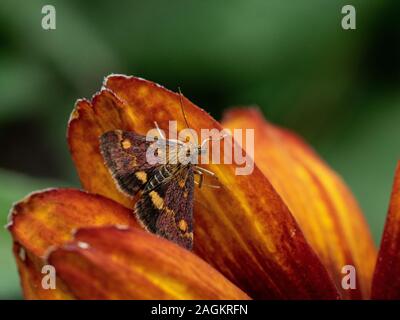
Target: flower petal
x=46, y=219
x=386, y=282
x=31, y=276
x=243, y=229
x=84, y=129
x=136, y=265
x=319, y=200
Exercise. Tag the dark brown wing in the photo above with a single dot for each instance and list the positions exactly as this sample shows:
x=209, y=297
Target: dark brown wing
x=168, y=209
x=124, y=153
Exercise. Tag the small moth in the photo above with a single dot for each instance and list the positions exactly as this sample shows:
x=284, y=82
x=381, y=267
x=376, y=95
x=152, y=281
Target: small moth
x=165, y=205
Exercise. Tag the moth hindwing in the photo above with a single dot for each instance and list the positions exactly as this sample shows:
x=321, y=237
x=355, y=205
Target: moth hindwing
x=166, y=190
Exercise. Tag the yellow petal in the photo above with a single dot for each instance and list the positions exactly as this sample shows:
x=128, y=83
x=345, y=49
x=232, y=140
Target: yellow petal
x=317, y=197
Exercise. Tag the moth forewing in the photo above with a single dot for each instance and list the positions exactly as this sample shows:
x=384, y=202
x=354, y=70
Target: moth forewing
x=124, y=154
x=162, y=171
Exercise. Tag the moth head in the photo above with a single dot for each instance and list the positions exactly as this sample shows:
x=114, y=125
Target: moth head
x=193, y=150
x=201, y=150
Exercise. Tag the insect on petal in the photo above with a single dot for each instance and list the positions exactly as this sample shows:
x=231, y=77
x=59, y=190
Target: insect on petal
x=242, y=229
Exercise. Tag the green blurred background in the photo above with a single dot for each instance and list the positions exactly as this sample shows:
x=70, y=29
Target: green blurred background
x=337, y=88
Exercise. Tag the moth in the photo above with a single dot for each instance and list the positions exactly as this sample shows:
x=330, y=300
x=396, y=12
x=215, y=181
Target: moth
x=165, y=204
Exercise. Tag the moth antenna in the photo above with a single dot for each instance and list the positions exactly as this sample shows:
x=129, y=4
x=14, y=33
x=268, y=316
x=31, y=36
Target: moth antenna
x=184, y=114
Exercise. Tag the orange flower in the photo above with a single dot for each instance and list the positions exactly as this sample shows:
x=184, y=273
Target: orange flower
x=283, y=232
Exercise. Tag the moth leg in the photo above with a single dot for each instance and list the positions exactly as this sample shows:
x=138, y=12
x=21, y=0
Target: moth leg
x=200, y=174
x=211, y=186
x=159, y=131
x=201, y=169
x=200, y=182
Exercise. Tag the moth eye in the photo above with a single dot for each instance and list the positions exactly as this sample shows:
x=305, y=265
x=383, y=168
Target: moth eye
x=126, y=144
x=158, y=152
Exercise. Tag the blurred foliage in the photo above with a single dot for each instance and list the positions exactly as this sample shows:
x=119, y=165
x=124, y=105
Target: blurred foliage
x=337, y=88
x=13, y=187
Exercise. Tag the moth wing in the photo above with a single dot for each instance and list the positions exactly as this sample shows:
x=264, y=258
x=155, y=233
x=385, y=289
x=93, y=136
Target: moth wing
x=124, y=153
x=167, y=210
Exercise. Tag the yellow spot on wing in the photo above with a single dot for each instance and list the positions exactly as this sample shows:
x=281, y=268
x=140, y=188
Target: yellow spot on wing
x=126, y=144
x=133, y=161
x=157, y=200
x=181, y=183
x=142, y=176
x=182, y=225
x=188, y=235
